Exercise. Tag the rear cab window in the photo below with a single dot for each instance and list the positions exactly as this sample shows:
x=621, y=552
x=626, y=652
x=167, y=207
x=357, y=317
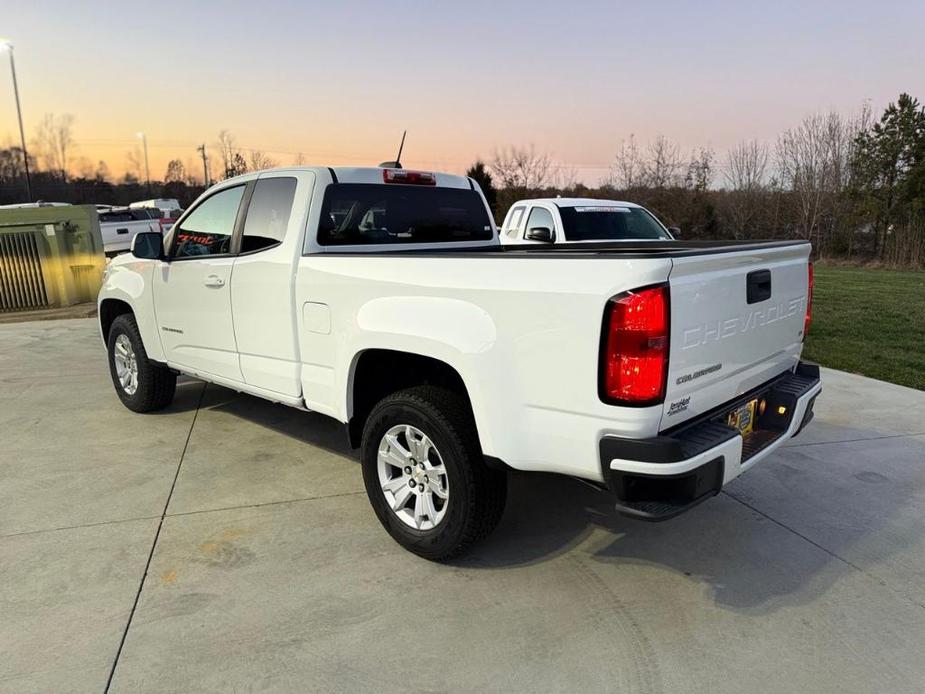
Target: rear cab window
x=111, y=216
x=370, y=213
x=610, y=223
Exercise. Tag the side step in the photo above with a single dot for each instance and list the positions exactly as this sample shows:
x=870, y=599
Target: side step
x=655, y=511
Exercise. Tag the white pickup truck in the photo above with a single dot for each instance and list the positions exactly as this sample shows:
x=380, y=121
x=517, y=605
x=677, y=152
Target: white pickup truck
x=656, y=370
x=580, y=220
x=118, y=226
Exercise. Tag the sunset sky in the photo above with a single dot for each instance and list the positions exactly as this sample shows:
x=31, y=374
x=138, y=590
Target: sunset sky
x=339, y=81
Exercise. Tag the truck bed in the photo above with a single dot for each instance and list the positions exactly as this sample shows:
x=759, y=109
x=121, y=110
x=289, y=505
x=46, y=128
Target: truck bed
x=723, y=341
x=625, y=249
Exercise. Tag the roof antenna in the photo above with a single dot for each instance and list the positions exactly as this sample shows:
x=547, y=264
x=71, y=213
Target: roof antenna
x=397, y=163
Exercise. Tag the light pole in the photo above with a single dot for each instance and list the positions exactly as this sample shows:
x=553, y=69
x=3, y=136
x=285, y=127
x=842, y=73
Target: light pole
x=22, y=133
x=144, y=142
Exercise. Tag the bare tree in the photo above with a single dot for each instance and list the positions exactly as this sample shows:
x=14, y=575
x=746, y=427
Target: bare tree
x=660, y=166
x=699, y=174
x=812, y=158
x=133, y=165
x=176, y=171
x=746, y=165
x=233, y=161
x=626, y=172
x=102, y=171
x=190, y=167
x=227, y=149
x=662, y=163
x=85, y=168
x=521, y=168
x=12, y=162
x=565, y=176
x=853, y=179
x=237, y=167
x=298, y=159
x=54, y=141
x=258, y=161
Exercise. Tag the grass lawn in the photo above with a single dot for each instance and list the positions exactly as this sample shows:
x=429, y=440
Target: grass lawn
x=870, y=322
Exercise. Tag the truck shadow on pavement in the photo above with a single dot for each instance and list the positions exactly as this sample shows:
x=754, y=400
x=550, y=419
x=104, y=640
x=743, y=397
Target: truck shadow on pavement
x=310, y=428
x=747, y=560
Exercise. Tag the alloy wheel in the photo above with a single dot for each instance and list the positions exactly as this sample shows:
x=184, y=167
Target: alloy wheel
x=413, y=477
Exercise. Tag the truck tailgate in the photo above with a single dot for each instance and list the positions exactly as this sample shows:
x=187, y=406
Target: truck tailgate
x=736, y=322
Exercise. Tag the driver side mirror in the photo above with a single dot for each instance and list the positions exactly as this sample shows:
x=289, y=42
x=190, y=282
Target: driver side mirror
x=675, y=231
x=543, y=234
x=148, y=245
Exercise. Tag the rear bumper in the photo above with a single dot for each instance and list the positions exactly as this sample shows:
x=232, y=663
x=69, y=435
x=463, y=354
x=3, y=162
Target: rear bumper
x=661, y=477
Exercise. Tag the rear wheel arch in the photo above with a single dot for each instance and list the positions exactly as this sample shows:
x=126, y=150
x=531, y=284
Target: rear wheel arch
x=377, y=373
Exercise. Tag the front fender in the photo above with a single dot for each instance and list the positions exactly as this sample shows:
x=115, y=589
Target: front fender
x=129, y=281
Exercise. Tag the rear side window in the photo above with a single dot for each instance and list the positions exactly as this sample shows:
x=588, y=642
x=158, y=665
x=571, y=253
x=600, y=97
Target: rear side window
x=208, y=229
x=516, y=216
x=268, y=213
x=369, y=213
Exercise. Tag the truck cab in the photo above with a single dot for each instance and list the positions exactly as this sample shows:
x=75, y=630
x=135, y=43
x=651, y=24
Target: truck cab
x=579, y=220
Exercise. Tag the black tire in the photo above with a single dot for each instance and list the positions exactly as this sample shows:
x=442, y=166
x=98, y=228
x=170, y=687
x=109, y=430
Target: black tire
x=477, y=494
x=156, y=384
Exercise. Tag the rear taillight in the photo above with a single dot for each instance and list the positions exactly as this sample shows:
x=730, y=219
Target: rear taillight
x=809, y=302
x=418, y=178
x=634, y=360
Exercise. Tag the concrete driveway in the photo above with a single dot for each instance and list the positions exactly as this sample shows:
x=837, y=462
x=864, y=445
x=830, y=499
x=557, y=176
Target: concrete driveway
x=269, y=572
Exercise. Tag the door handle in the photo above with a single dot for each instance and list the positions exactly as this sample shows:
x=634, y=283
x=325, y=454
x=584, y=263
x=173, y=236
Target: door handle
x=214, y=281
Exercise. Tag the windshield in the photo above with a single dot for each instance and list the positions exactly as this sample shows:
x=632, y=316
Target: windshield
x=605, y=223
x=368, y=213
